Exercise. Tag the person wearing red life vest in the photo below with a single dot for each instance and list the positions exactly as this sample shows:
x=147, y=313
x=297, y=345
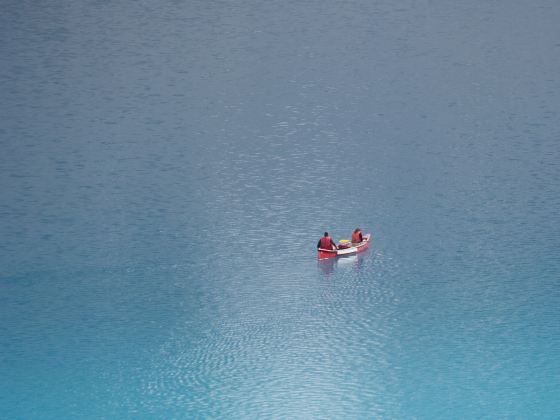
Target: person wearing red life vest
x=357, y=236
x=326, y=242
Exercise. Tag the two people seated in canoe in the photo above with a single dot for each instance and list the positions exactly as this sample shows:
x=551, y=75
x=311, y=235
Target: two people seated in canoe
x=326, y=241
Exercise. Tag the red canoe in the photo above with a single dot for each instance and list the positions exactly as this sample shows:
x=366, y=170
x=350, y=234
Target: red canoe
x=324, y=254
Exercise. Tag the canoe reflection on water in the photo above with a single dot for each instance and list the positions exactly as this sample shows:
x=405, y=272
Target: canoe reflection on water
x=355, y=261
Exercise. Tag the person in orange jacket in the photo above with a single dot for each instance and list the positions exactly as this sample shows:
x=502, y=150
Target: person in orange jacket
x=357, y=236
x=326, y=242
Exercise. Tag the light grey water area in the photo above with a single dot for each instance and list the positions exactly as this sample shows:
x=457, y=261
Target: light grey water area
x=166, y=169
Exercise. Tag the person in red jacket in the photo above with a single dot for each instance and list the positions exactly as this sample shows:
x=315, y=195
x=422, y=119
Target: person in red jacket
x=357, y=236
x=326, y=242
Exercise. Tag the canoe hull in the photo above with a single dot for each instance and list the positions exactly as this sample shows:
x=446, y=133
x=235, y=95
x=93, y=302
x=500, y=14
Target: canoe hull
x=324, y=254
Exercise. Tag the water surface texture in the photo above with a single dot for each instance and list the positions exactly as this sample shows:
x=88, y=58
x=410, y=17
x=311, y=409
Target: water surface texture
x=168, y=167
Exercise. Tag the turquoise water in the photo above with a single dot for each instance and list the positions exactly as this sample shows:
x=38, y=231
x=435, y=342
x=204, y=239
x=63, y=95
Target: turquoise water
x=167, y=170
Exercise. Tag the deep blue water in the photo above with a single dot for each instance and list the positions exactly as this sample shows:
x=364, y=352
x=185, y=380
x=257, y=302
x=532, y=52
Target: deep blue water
x=168, y=167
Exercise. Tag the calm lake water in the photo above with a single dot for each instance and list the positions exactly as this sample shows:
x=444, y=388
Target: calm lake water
x=168, y=167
